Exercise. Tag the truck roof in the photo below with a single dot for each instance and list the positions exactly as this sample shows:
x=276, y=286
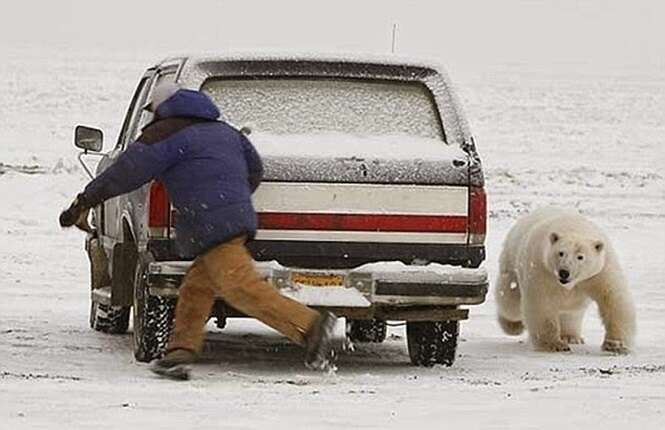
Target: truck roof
x=391, y=60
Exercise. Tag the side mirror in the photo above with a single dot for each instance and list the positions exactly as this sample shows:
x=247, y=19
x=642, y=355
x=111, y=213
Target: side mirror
x=88, y=138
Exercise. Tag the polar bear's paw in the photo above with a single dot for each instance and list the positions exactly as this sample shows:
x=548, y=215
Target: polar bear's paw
x=615, y=346
x=553, y=346
x=572, y=339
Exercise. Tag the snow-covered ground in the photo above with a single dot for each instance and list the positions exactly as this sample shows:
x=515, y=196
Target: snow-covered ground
x=587, y=138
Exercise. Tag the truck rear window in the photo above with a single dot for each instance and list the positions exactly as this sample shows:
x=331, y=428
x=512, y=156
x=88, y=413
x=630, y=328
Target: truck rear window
x=315, y=106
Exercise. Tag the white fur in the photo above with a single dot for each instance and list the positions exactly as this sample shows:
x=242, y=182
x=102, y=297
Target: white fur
x=530, y=293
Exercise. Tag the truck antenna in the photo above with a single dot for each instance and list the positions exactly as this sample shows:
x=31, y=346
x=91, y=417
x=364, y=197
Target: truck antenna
x=394, y=38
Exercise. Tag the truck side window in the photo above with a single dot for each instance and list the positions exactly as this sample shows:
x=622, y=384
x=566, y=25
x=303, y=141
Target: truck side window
x=144, y=116
x=135, y=108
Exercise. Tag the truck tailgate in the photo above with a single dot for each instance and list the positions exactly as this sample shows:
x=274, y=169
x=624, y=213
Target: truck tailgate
x=344, y=212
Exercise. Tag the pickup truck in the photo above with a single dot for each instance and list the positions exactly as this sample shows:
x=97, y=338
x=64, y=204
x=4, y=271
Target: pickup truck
x=372, y=204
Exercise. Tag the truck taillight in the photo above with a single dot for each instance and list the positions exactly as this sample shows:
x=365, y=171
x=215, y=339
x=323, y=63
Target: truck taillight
x=159, y=206
x=477, y=215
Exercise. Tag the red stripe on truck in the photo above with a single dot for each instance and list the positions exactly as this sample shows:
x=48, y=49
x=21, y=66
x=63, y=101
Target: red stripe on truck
x=361, y=222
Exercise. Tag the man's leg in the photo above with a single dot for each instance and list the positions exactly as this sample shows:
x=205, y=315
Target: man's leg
x=196, y=297
x=230, y=268
x=195, y=300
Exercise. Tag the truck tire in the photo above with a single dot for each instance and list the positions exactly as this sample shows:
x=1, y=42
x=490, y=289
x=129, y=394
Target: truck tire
x=366, y=330
x=109, y=319
x=152, y=319
x=432, y=342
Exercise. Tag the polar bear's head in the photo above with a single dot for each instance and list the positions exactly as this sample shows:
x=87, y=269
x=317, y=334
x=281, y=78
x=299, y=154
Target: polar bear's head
x=573, y=259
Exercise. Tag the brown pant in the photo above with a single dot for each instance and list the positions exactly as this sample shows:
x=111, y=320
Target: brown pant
x=228, y=270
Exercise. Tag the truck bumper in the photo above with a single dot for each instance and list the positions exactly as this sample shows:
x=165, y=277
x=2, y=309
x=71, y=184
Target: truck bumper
x=374, y=285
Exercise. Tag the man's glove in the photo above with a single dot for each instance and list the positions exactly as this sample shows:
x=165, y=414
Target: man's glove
x=73, y=213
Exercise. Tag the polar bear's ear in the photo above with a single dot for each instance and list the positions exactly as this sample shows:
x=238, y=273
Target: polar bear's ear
x=598, y=246
x=554, y=238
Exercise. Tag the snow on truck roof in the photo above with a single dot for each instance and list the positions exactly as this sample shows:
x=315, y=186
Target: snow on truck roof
x=388, y=60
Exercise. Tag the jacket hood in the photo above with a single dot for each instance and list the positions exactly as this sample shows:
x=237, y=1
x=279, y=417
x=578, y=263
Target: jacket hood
x=188, y=103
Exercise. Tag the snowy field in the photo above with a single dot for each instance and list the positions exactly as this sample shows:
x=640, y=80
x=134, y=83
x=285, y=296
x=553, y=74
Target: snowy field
x=567, y=135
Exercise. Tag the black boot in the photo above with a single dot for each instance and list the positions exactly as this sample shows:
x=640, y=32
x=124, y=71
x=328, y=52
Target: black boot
x=174, y=365
x=318, y=343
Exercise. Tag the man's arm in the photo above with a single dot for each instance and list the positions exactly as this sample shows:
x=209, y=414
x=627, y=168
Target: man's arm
x=136, y=166
x=254, y=163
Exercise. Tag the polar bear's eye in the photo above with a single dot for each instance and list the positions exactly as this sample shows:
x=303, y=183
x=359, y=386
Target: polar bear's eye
x=580, y=257
x=561, y=254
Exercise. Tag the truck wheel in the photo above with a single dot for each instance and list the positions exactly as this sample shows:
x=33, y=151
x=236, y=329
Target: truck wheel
x=109, y=319
x=432, y=342
x=152, y=319
x=366, y=330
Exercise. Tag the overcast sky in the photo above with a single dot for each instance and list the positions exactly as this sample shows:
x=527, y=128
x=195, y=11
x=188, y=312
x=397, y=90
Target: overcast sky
x=491, y=31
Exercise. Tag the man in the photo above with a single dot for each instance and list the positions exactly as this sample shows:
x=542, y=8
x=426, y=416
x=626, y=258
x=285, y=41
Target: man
x=210, y=171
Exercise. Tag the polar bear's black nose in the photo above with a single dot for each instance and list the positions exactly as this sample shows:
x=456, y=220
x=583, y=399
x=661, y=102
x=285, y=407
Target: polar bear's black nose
x=564, y=274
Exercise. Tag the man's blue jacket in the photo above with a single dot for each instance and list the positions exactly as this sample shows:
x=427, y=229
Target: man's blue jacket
x=209, y=169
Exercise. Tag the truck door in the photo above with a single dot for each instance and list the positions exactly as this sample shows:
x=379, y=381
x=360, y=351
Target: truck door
x=112, y=208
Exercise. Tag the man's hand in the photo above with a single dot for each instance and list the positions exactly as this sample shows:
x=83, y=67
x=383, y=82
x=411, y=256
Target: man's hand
x=74, y=212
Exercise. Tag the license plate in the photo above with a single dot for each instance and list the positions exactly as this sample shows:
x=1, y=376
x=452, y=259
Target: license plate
x=318, y=279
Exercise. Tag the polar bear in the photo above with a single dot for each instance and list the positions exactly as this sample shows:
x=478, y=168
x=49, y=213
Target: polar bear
x=554, y=262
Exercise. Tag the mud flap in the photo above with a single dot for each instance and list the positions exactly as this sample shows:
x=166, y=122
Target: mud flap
x=122, y=279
